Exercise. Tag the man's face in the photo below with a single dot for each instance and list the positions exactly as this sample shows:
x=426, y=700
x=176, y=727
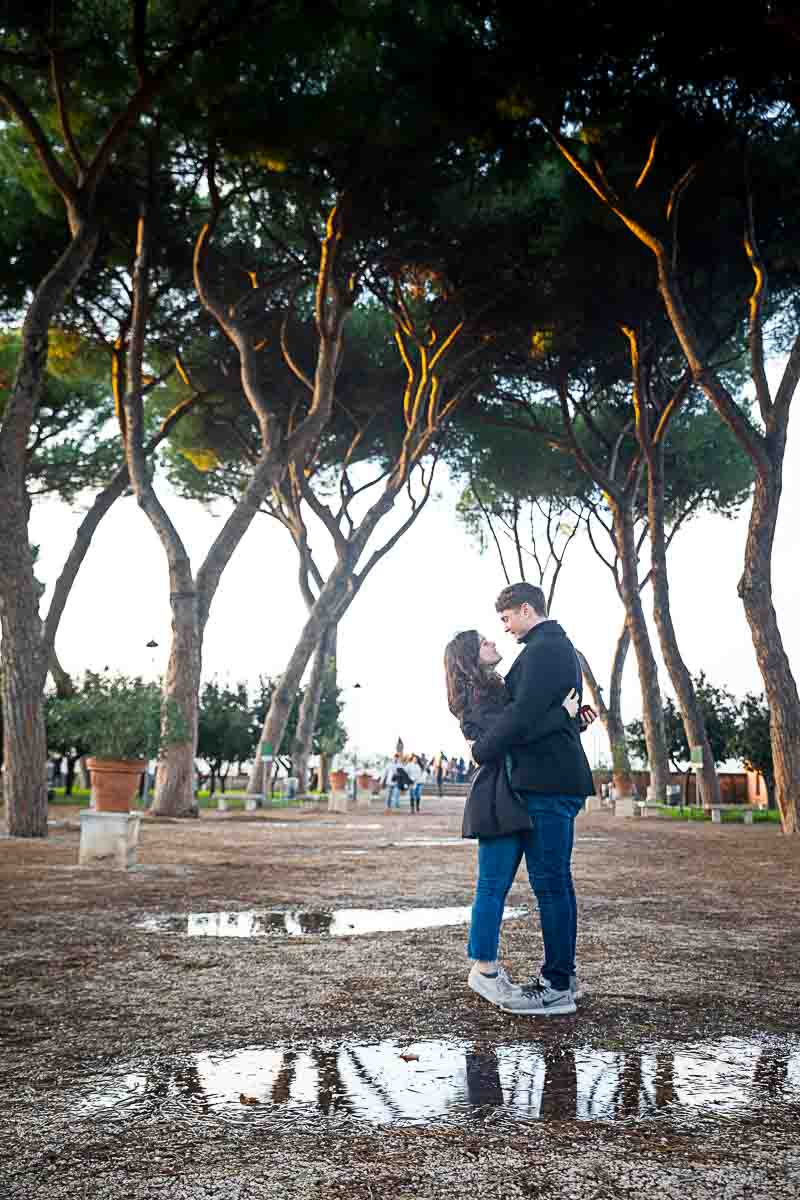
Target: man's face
x=517, y=621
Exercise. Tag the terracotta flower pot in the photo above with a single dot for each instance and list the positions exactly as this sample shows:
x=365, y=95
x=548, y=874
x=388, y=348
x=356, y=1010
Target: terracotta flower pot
x=338, y=780
x=115, y=782
x=365, y=781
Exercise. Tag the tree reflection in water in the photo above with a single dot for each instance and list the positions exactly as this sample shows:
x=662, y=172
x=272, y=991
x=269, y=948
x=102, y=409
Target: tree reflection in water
x=543, y=1086
x=386, y=1083
x=331, y=1091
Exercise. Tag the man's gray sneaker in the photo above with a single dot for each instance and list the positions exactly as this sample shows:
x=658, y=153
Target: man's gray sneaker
x=574, y=987
x=496, y=990
x=540, y=999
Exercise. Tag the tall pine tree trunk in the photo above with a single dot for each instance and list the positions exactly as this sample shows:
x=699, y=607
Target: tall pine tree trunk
x=755, y=589
x=309, y=709
x=767, y=451
x=175, y=777
x=693, y=722
x=24, y=659
x=24, y=740
x=652, y=709
x=618, y=740
x=610, y=714
x=327, y=610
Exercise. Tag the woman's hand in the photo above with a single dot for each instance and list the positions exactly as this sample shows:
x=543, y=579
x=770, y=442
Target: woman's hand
x=571, y=702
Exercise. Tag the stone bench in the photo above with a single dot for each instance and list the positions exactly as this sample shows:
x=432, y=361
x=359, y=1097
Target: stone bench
x=745, y=809
x=649, y=808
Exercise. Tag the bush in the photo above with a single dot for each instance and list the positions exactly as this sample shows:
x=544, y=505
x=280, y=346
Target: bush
x=112, y=716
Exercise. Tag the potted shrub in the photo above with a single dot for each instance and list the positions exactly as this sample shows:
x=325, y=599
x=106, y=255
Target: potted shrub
x=118, y=717
x=338, y=780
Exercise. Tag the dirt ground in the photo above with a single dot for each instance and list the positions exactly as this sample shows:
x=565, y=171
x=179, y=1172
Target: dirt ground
x=110, y=1032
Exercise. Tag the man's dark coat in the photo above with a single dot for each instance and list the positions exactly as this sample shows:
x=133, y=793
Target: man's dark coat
x=540, y=678
x=493, y=809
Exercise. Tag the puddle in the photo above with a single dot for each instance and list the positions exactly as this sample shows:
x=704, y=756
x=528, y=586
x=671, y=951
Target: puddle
x=451, y=1082
x=303, y=922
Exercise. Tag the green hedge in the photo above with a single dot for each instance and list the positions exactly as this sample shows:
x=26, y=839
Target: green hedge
x=679, y=812
x=80, y=799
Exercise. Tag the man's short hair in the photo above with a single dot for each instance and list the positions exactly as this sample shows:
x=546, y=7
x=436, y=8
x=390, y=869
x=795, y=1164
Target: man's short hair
x=517, y=594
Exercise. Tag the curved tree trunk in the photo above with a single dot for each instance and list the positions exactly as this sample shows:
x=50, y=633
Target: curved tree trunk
x=327, y=610
x=609, y=713
x=755, y=589
x=175, y=776
x=61, y=678
x=653, y=713
x=24, y=740
x=310, y=708
x=693, y=722
x=618, y=740
x=24, y=662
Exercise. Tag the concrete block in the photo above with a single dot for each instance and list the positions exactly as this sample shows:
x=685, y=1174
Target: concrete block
x=363, y=801
x=748, y=818
x=250, y=804
x=222, y=804
x=593, y=804
x=716, y=816
x=108, y=839
x=339, y=802
x=626, y=806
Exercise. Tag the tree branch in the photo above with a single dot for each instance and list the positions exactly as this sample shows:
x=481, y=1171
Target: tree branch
x=755, y=307
x=63, y=113
x=67, y=188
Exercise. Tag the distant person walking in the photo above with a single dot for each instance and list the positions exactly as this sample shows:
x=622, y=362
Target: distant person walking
x=527, y=734
x=391, y=785
x=441, y=768
x=416, y=772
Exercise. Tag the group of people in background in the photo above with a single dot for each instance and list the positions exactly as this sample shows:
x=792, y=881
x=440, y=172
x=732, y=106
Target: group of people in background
x=406, y=773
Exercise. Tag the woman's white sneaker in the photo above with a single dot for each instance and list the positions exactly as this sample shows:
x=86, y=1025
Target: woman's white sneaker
x=497, y=989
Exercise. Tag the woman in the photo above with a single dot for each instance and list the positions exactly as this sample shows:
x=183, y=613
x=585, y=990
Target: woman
x=476, y=696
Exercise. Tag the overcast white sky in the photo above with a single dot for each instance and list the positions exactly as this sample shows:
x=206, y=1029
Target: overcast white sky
x=431, y=585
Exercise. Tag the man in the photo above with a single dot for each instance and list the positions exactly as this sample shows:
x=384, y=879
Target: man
x=391, y=786
x=552, y=776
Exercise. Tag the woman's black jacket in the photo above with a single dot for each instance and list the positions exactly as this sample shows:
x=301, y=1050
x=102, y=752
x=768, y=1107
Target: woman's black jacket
x=492, y=808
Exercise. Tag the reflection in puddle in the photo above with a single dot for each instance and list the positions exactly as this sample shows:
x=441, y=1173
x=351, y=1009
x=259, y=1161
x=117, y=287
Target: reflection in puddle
x=300, y=922
x=441, y=1081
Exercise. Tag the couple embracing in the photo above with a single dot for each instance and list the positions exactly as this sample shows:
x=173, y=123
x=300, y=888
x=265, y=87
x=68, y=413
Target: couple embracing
x=532, y=781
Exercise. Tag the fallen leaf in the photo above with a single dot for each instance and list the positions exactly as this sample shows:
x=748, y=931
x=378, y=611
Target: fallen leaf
x=410, y=1057
x=247, y=1099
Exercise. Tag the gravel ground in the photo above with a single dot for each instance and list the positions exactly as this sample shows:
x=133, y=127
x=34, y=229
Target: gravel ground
x=140, y=1064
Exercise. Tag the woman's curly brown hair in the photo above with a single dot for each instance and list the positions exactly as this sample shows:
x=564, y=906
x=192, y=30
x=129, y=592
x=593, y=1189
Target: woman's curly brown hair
x=466, y=676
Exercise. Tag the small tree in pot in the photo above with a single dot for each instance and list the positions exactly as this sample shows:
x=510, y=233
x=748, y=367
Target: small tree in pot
x=118, y=717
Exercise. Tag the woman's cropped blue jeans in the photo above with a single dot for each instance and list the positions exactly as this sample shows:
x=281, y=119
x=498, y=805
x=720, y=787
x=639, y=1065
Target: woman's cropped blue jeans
x=547, y=849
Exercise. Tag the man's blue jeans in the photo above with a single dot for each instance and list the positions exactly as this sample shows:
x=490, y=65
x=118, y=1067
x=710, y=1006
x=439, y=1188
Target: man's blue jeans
x=547, y=849
x=392, y=795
